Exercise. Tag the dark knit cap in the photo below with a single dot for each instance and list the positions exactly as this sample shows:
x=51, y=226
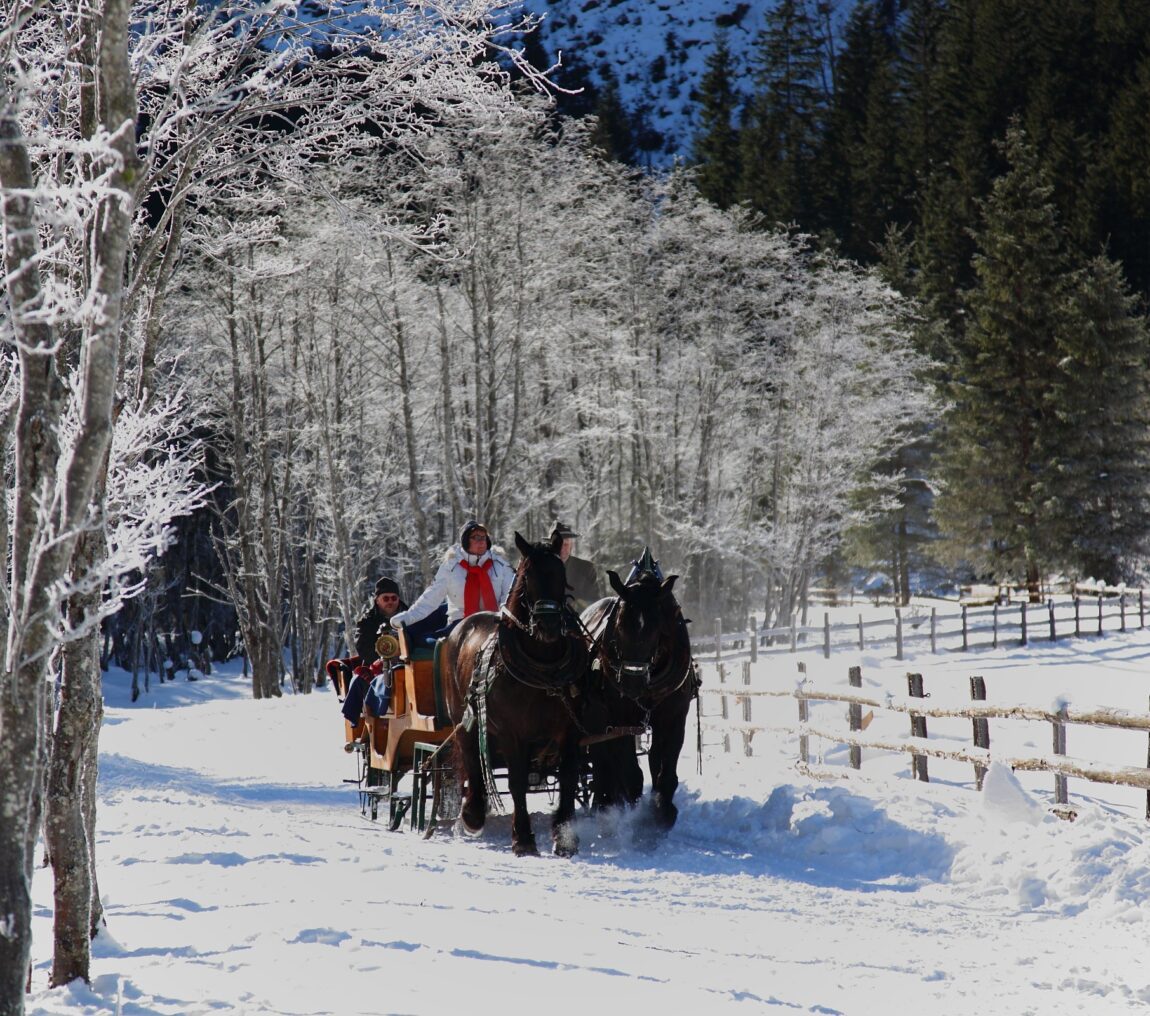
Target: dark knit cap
x=468, y=528
x=386, y=586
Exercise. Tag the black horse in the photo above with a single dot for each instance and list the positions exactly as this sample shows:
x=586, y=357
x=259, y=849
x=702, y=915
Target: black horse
x=512, y=678
x=643, y=677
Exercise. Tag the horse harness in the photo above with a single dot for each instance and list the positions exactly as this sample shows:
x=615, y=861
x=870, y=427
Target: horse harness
x=561, y=682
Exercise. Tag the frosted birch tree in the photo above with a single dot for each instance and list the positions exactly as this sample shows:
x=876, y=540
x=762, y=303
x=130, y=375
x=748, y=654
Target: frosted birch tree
x=108, y=139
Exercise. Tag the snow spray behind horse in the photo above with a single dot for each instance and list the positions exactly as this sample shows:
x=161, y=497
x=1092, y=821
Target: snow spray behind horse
x=644, y=676
x=512, y=682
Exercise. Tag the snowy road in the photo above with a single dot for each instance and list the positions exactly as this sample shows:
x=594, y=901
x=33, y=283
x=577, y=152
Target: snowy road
x=240, y=877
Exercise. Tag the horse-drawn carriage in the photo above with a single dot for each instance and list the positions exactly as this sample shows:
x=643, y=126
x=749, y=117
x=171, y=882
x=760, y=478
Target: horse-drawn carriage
x=533, y=698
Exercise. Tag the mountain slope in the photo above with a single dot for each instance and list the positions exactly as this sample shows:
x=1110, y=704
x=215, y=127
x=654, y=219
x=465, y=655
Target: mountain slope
x=655, y=49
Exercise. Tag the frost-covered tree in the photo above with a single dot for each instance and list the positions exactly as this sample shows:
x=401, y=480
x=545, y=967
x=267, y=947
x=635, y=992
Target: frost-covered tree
x=118, y=126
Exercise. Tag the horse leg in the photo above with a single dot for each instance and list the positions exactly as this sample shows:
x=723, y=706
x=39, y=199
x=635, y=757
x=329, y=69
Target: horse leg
x=474, y=810
x=630, y=772
x=564, y=841
x=522, y=838
x=667, y=734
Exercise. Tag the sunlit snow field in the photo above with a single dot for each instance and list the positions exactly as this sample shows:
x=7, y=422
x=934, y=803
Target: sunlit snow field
x=240, y=877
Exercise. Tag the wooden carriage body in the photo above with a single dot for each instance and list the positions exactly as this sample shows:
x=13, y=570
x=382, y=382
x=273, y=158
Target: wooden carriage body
x=410, y=740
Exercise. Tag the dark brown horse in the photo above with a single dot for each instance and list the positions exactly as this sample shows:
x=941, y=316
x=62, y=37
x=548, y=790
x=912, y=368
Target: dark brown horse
x=510, y=686
x=643, y=677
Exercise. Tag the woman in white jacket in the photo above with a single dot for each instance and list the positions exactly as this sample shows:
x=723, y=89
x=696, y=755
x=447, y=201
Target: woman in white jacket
x=470, y=578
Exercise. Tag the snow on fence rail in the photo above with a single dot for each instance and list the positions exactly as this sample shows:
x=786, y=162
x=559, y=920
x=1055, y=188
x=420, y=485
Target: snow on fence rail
x=917, y=744
x=969, y=627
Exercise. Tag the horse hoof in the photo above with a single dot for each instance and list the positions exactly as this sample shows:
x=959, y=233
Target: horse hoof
x=472, y=823
x=565, y=842
x=526, y=848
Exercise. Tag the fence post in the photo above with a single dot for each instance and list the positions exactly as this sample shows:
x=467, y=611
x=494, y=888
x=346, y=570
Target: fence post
x=1122, y=609
x=794, y=636
x=994, y=625
x=964, y=644
x=1022, y=638
x=1077, y=617
x=718, y=639
x=981, y=727
x=753, y=639
x=826, y=634
x=1060, y=795
x=1099, y=613
x=1141, y=610
x=854, y=712
x=897, y=633
x=917, y=727
x=862, y=643
x=804, y=717
x=1050, y=607
x=934, y=629
x=723, y=697
x=747, y=734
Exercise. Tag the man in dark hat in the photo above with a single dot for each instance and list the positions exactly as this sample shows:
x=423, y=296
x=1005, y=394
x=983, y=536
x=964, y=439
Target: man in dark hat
x=582, y=578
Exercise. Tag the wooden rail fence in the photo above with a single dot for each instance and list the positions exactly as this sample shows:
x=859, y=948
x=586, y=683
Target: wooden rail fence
x=946, y=630
x=918, y=745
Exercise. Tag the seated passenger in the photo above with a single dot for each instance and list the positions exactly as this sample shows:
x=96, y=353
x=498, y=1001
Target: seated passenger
x=471, y=578
x=383, y=606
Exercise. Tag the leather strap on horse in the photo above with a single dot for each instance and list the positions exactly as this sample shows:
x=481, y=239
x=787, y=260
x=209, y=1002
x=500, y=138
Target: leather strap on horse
x=481, y=680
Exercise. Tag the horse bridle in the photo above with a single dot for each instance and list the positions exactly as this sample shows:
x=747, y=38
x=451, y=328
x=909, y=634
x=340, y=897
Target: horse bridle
x=637, y=669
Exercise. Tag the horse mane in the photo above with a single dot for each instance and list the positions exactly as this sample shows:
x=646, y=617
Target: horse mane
x=514, y=604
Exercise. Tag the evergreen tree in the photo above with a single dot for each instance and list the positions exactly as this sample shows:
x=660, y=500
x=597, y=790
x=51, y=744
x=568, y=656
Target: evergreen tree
x=1027, y=449
x=1102, y=394
x=614, y=132
x=863, y=138
x=784, y=120
x=716, y=145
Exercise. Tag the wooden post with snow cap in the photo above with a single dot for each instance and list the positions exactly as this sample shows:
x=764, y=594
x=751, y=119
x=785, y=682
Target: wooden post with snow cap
x=804, y=717
x=897, y=633
x=854, y=712
x=917, y=727
x=981, y=727
x=1060, y=795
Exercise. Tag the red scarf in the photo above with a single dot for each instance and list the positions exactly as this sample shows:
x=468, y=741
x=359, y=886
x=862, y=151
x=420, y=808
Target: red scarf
x=478, y=593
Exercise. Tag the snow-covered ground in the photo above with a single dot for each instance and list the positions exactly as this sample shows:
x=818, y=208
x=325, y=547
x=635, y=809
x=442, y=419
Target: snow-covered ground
x=240, y=877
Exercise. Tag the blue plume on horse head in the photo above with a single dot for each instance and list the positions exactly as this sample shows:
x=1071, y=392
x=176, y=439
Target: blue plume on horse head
x=646, y=565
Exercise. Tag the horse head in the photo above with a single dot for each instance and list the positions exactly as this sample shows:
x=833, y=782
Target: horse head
x=538, y=593
x=641, y=628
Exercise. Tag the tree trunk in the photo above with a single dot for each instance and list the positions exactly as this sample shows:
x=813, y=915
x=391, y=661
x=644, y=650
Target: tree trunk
x=69, y=819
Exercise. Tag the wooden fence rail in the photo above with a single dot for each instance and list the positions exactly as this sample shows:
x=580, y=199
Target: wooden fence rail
x=918, y=744
x=968, y=627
